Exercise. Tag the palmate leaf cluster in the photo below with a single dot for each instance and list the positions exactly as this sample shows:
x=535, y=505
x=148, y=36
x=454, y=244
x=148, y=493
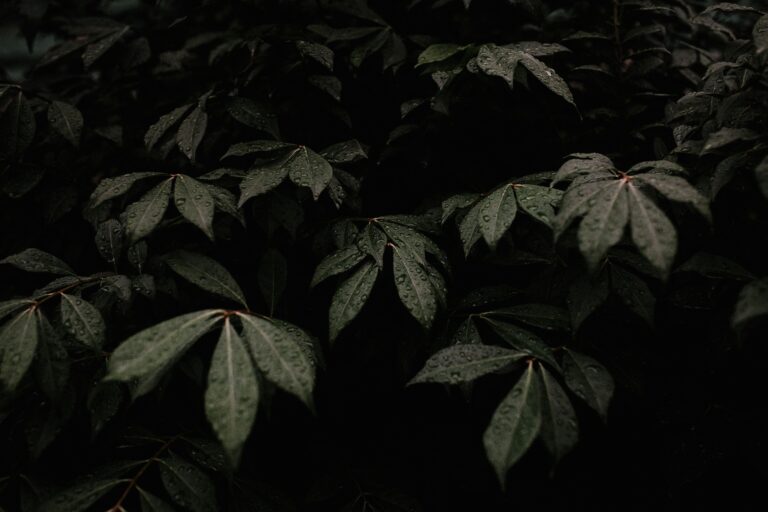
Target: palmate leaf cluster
x=242, y=242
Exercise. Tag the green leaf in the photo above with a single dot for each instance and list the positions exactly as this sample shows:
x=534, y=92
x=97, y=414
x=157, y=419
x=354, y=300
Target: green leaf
x=95, y=50
x=110, y=188
x=652, y=232
x=80, y=497
x=457, y=202
x=760, y=34
x=9, y=306
x=350, y=297
x=308, y=169
x=677, y=189
x=256, y=147
x=497, y=212
x=272, y=277
x=280, y=356
x=109, y=240
x=165, y=123
x=149, y=353
x=514, y=425
x=547, y=76
x=66, y=120
x=465, y=363
x=151, y=503
x=500, y=62
x=413, y=287
x=250, y=113
x=469, y=228
x=194, y=202
x=18, y=344
x=261, y=180
x=522, y=339
x=603, y=225
x=576, y=202
x=466, y=333
x=715, y=267
x=346, y=152
x=35, y=260
x=538, y=202
x=583, y=163
x=542, y=316
x=317, y=52
x=232, y=395
x=206, y=273
x=225, y=201
x=752, y=303
x=373, y=241
x=336, y=263
x=191, y=132
x=559, y=428
x=586, y=294
x=634, y=293
x=437, y=53
x=17, y=127
x=82, y=320
x=589, y=380
x=143, y=216
x=189, y=487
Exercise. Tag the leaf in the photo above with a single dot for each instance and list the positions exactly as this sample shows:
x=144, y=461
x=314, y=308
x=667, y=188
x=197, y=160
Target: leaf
x=151, y=503
x=589, y=380
x=225, y=201
x=82, y=320
x=191, y=132
x=603, y=225
x=715, y=267
x=413, y=287
x=80, y=497
x=9, y=306
x=752, y=303
x=373, y=241
x=308, y=169
x=280, y=356
x=143, y=216
x=538, y=202
x=35, y=260
x=522, y=339
x=256, y=147
x=189, y=487
x=346, y=152
x=194, y=202
x=514, y=425
x=165, y=123
x=17, y=127
x=109, y=188
x=317, y=52
x=679, y=190
x=466, y=333
x=457, y=202
x=232, y=394
x=547, y=76
x=66, y=120
x=469, y=228
x=336, y=263
x=634, y=293
x=465, y=363
x=586, y=294
x=497, y=212
x=350, y=297
x=252, y=114
x=206, y=273
x=18, y=344
x=542, y=316
x=95, y=50
x=652, y=232
x=149, y=353
x=109, y=240
x=761, y=175
x=760, y=34
x=437, y=53
x=262, y=179
x=559, y=428
x=272, y=276
x=500, y=62
x=583, y=163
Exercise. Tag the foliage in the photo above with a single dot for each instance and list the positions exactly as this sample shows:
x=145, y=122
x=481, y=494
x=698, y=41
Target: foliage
x=242, y=242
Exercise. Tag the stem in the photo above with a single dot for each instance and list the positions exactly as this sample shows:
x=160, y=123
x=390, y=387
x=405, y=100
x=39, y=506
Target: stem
x=134, y=481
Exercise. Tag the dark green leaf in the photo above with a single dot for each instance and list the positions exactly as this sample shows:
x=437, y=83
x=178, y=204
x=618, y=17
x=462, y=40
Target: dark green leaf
x=143, y=216
x=350, y=297
x=82, y=320
x=589, y=380
x=35, y=260
x=189, y=487
x=18, y=344
x=66, y=120
x=194, y=202
x=465, y=363
x=206, y=273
